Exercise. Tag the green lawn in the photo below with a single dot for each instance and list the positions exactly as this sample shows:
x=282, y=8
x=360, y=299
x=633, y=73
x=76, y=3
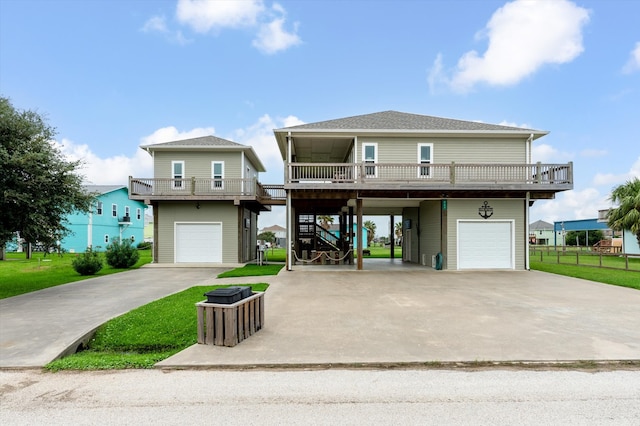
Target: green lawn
x=604, y=275
x=144, y=336
x=585, y=258
x=19, y=275
x=251, y=270
x=278, y=255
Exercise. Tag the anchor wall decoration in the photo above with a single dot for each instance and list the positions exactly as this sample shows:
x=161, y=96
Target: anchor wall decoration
x=485, y=211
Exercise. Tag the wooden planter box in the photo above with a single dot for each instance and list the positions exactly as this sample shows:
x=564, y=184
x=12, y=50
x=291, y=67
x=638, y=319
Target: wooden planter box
x=227, y=325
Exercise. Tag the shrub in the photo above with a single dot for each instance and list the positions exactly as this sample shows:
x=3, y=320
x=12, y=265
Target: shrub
x=87, y=263
x=144, y=245
x=121, y=254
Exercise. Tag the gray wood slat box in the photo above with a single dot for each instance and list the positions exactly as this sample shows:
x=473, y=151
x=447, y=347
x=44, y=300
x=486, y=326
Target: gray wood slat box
x=229, y=324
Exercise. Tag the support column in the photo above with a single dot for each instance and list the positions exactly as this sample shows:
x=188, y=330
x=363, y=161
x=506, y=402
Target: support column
x=359, y=231
x=289, y=230
x=392, y=239
x=350, y=231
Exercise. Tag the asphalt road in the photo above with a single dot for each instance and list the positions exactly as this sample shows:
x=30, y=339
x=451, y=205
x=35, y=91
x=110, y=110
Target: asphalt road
x=320, y=397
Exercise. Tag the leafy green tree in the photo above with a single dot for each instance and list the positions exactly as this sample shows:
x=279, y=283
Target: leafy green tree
x=38, y=186
x=326, y=221
x=397, y=230
x=575, y=238
x=371, y=230
x=267, y=236
x=627, y=214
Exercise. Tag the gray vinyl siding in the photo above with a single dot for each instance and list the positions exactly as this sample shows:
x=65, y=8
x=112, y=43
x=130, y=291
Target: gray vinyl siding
x=446, y=150
x=510, y=209
x=224, y=212
x=430, y=235
x=198, y=164
x=413, y=214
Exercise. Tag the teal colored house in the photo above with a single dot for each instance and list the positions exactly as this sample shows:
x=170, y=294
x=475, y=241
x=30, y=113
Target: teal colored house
x=335, y=230
x=113, y=215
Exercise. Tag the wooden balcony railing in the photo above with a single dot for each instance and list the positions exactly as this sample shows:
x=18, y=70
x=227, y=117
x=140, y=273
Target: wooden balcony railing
x=425, y=173
x=214, y=188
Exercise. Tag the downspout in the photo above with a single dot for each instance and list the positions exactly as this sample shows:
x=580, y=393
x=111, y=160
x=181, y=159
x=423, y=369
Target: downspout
x=528, y=148
x=90, y=231
x=242, y=173
x=526, y=241
x=289, y=225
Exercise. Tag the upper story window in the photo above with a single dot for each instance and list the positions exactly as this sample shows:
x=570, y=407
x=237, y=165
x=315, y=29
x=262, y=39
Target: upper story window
x=177, y=173
x=217, y=174
x=114, y=210
x=370, y=156
x=99, y=208
x=127, y=211
x=425, y=156
x=138, y=214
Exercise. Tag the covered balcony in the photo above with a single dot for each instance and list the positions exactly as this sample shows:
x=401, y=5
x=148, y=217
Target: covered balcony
x=439, y=177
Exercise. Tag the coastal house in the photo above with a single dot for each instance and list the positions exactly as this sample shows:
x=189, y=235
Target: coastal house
x=206, y=199
x=463, y=188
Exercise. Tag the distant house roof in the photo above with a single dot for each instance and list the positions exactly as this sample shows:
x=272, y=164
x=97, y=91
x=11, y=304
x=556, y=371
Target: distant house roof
x=206, y=143
x=394, y=120
x=101, y=189
x=541, y=225
x=274, y=228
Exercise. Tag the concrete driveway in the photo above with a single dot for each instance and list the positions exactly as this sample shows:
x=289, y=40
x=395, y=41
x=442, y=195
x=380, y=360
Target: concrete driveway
x=333, y=317
x=416, y=315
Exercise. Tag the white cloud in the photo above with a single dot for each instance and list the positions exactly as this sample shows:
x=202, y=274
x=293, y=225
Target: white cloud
x=594, y=153
x=511, y=124
x=170, y=133
x=106, y=171
x=204, y=15
x=611, y=179
x=570, y=205
x=547, y=154
x=213, y=16
x=155, y=24
x=523, y=35
x=272, y=37
x=633, y=64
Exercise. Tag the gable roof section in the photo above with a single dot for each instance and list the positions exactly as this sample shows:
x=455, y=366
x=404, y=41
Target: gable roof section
x=541, y=225
x=206, y=143
x=102, y=189
x=394, y=120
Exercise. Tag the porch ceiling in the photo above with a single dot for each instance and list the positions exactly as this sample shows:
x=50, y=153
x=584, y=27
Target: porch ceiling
x=321, y=150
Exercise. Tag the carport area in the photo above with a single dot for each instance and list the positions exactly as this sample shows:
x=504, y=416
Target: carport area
x=413, y=315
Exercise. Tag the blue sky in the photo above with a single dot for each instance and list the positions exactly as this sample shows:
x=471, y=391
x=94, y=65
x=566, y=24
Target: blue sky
x=112, y=75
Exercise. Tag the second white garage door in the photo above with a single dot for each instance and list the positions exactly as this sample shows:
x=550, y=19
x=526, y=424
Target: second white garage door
x=198, y=242
x=485, y=245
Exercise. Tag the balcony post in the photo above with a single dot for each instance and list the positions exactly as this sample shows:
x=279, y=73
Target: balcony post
x=452, y=173
x=193, y=185
x=538, y=168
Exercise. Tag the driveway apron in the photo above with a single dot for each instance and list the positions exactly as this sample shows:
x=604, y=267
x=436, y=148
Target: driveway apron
x=35, y=328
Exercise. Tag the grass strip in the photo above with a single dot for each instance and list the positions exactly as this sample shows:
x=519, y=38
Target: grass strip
x=143, y=336
x=251, y=270
x=617, y=277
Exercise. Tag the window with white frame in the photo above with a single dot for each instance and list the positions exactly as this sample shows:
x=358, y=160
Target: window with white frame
x=138, y=214
x=127, y=211
x=114, y=210
x=177, y=174
x=217, y=175
x=370, y=156
x=425, y=156
x=99, y=208
x=106, y=239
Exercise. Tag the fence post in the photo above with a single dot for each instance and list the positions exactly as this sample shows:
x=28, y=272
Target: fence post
x=578, y=257
x=626, y=262
x=558, y=255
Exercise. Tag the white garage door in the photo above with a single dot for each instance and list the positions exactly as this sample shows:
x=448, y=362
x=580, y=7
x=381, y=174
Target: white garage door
x=485, y=245
x=198, y=242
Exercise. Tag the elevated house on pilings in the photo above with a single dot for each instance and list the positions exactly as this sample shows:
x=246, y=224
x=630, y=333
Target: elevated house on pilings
x=463, y=188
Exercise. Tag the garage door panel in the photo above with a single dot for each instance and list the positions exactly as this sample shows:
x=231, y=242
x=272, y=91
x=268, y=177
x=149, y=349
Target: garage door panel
x=485, y=245
x=198, y=242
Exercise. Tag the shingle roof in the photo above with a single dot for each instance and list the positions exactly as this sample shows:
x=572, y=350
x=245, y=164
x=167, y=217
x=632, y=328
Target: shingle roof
x=101, y=189
x=202, y=141
x=540, y=225
x=394, y=120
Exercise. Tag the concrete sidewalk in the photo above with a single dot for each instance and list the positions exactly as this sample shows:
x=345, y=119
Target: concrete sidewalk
x=417, y=316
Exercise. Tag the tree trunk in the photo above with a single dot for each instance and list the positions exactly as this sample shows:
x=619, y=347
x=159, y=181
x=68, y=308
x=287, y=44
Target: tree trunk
x=28, y=250
x=2, y=253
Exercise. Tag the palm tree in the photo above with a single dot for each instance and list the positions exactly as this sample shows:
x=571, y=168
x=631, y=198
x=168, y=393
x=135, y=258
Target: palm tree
x=397, y=230
x=325, y=221
x=371, y=231
x=627, y=214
